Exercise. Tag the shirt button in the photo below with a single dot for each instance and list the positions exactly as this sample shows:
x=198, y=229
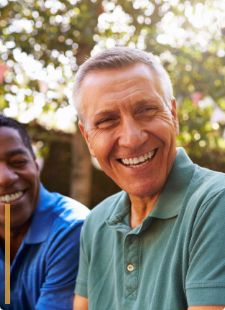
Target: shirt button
x=130, y=267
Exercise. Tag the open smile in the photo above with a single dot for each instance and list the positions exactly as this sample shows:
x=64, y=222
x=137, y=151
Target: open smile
x=138, y=161
x=9, y=198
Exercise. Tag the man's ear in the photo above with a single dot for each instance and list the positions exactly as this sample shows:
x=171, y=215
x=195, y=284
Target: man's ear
x=38, y=165
x=86, y=137
x=174, y=114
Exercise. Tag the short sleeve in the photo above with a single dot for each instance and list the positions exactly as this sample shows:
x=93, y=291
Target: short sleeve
x=205, y=280
x=61, y=269
x=82, y=277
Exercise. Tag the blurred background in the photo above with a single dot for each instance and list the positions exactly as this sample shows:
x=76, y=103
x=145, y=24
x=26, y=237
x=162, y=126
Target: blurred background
x=42, y=43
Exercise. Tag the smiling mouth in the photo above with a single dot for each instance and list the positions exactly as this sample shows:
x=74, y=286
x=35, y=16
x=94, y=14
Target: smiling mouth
x=8, y=198
x=138, y=161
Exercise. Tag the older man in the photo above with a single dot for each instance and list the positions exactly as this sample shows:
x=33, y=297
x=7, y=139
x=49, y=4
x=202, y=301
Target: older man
x=159, y=243
x=45, y=229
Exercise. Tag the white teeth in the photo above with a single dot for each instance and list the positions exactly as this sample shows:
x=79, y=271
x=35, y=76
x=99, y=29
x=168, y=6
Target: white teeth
x=138, y=160
x=142, y=158
x=125, y=161
x=135, y=160
x=11, y=197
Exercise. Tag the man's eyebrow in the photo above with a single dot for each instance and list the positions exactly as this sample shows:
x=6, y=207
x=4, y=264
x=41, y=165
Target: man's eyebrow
x=143, y=101
x=105, y=113
x=149, y=100
x=18, y=151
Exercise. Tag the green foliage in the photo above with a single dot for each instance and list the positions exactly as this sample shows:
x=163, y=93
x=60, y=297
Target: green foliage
x=197, y=133
x=48, y=26
x=57, y=35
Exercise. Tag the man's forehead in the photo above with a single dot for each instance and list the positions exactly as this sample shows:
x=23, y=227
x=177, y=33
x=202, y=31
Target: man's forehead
x=12, y=140
x=113, y=87
x=7, y=130
x=115, y=84
x=137, y=68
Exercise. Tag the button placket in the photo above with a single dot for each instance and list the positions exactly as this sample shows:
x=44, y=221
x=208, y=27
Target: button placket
x=131, y=265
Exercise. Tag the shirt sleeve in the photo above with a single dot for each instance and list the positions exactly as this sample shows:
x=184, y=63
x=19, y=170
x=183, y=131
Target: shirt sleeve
x=205, y=281
x=61, y=269
x=82, y=277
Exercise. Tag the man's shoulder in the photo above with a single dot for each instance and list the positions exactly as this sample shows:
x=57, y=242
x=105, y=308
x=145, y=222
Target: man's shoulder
x=95, y=226
x=206, y=190
x=104, y=209
x=62, y=208
x=68, y=210
x=209, y=181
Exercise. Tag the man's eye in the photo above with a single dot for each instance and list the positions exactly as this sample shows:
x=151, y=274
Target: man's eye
x=106, y=122
x=19, y=163
x=147, y=110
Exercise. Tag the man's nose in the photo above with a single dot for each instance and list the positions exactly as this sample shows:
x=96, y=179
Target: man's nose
x=132, y=134
x=7, y=175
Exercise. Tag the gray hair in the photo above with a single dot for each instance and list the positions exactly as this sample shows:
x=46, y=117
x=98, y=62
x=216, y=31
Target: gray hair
x=119, y=57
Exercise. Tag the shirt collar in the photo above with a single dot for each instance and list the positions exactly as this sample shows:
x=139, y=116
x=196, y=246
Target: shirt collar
x=171, y=197
x=42, y=218
x=173, y=194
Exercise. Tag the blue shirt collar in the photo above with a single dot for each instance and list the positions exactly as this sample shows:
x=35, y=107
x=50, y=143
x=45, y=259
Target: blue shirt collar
x=42, y=218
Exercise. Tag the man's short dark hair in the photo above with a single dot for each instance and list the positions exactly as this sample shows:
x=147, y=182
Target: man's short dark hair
x=12, y=123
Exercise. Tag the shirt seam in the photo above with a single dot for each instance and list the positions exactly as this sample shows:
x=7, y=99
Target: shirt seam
x=205, y=285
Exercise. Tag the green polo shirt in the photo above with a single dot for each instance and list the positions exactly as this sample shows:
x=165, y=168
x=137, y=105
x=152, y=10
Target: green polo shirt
x=174, y=259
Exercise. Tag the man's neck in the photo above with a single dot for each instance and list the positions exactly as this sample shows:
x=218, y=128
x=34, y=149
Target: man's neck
x=140, y=208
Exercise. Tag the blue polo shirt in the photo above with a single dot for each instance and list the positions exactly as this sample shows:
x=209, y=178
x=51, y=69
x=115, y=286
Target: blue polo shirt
x=44, y=269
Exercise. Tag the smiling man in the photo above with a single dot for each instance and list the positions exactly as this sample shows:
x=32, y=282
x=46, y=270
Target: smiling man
x=45, y=229
x=159, y=243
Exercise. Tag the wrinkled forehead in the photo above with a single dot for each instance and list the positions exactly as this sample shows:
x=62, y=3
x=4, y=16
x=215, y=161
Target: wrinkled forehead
x=116, y=81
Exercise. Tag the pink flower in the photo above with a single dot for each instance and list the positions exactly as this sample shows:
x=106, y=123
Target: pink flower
x=196, y=97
